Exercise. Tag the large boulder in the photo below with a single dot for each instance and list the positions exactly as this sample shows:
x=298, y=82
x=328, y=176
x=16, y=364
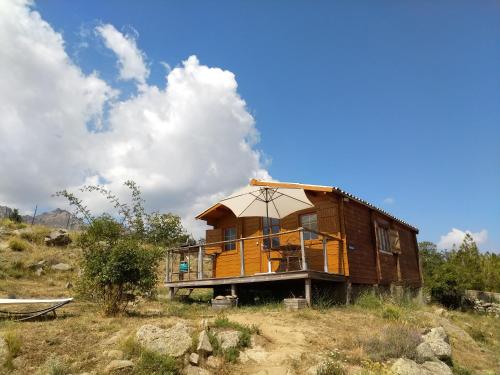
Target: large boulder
x=59, y=237
x=174, y=341
x=228, y=339
x=193, y=370
x=436, y=341
x=61, y=267
x=204, y=347
x=405, y=366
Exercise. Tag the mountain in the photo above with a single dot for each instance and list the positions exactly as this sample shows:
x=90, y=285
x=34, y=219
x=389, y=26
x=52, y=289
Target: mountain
x=57, y=218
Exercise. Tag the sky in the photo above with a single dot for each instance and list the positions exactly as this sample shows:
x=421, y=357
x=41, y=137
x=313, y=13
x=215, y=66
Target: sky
x=397, y=102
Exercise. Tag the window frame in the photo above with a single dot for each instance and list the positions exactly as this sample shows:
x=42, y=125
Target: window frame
x=274, y=241
x=308, y=236
x=382, y=229
x=229, y=246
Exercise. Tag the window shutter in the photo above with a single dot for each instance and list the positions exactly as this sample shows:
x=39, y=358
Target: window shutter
x=395, y=243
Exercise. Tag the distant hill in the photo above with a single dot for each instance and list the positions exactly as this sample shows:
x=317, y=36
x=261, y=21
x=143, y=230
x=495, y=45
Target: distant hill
x=57, y=218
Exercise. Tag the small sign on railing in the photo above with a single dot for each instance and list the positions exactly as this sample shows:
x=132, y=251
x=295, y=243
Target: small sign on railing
x=183, y=267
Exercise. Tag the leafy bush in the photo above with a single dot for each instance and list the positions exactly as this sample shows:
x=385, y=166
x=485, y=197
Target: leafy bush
x=15, y=217
x=369, y=300
x=16, y=244
x=391, y=312
x=121, y=254
x=395, y=341
x=116, y=268
x=152, y=363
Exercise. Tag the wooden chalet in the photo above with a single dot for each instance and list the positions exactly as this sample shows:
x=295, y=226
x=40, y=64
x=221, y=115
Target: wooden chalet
x=341, y=243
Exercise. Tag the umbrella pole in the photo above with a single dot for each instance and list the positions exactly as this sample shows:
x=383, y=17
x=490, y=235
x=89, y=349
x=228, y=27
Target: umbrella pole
x=269, y=265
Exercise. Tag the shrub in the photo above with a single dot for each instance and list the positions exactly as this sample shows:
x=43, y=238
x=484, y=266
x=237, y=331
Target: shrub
x=116, y=268
x=331, y=367
x=35, y=235
x=152, y=363
x=391, y=312
x=15, y=217
x=395, y=341
x=14, y=343
x=369, y=300
x=54, y=366
x=17, y=244
x=130, y=347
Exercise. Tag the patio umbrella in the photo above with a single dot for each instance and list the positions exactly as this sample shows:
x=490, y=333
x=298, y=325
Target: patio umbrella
x=264, y=201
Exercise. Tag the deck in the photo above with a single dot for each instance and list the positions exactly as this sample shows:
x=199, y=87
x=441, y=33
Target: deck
x=199, y=266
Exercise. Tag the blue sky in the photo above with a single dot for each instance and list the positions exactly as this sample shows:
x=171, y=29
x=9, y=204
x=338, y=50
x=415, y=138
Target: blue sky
x=395, y=101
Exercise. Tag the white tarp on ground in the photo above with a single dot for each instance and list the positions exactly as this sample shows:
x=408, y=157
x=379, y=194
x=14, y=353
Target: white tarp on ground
x=15, y=301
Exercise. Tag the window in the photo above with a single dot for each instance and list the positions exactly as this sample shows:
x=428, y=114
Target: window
x=271, y=227
x=383, y=242
x=309, y=221
x=230, y=235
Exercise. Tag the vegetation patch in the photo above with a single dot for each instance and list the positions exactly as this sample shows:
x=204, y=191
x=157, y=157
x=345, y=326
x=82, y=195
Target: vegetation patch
x=17, y=244
x=395, y=341
x=152, y=363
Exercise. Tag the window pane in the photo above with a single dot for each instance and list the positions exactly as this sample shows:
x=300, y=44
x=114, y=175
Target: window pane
x=309, y=221
x=230, y=235
x=273, y=228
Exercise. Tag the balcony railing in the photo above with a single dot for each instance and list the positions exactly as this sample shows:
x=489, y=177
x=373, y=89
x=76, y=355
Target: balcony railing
x=319, y=251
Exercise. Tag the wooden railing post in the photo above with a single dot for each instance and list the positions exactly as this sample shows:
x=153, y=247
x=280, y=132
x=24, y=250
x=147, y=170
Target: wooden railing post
x=200, y=263
x=242, y=258
x=303, y=249
x=167, y=267
x=325, y=255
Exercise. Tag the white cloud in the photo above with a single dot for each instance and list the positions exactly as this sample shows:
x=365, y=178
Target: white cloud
x=456, y=236
x=389, y=200
x=130, y=58
x=187, y=143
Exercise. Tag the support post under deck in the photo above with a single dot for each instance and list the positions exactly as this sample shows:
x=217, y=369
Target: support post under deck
x=233, y=290
x=308, y=291
x=171, y=292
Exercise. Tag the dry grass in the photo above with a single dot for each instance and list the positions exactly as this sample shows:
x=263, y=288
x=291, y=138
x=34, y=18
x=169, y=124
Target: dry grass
x=363, y=336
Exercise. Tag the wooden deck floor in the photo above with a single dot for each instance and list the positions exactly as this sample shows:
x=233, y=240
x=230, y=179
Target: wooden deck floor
x=264, y=277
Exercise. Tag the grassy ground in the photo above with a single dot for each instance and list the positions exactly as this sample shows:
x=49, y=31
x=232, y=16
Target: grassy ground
x=362, y=339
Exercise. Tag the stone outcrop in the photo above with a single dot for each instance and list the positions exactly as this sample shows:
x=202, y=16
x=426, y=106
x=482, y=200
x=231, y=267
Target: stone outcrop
x=405, y=366
x=204, y=347
x=228, y=339
x=116, y=365
x=58, y=237
x=174, y=341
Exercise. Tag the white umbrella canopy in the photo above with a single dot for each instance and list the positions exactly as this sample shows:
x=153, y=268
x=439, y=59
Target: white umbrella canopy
x=270, y=202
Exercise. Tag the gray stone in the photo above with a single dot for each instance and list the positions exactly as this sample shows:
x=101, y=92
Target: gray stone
x=228, y=339
x=58, y=237
x=174, y=341
x=213, y=362
x=194, y=359
x=425, y=352
x=437, y=368
x=204, y=346
x=193, y=370
x=61, y=267
x=118, y=364
x=39, y=272
x=438, y=342
x=405, y=366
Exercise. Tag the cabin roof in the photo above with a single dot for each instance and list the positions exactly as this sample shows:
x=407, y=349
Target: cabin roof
x=321, y=188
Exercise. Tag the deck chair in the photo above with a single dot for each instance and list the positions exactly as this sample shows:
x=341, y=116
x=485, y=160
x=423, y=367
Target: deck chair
x=25, y=315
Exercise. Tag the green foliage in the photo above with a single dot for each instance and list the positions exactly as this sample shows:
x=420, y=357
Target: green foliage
x=17, y=244
x=331, y=367
x=14, y=343
x=130, y=347
x=152, y=363
x=15, y=217
x=369, y=300
x=448, y=274
x=459, y=370
x=121, y=254
x=395, y=341
x=391, y=312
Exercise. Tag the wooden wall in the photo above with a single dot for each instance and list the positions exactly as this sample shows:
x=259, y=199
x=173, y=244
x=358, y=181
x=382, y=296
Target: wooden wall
x=360, y=262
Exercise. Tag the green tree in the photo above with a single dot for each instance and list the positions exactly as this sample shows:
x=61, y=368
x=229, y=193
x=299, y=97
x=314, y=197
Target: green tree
x=121, y=253
x=15, y=217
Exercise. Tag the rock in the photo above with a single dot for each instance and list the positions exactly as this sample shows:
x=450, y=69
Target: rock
x=193, y=370
x=69, y=285
x=213, y=362
x=39, y=271
x=405, y=366
x=219, y=298
x=312, y=370
x=437, y=368
x=114, y=354
x=61, y=267
x=58, y=237
x=118, y=365
x=204, y=347
x=174, y=341
x=425, y=352
x=4, y=350
x=257, y=355
x=194, y=359
x=438, y=342
x=228, y=339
